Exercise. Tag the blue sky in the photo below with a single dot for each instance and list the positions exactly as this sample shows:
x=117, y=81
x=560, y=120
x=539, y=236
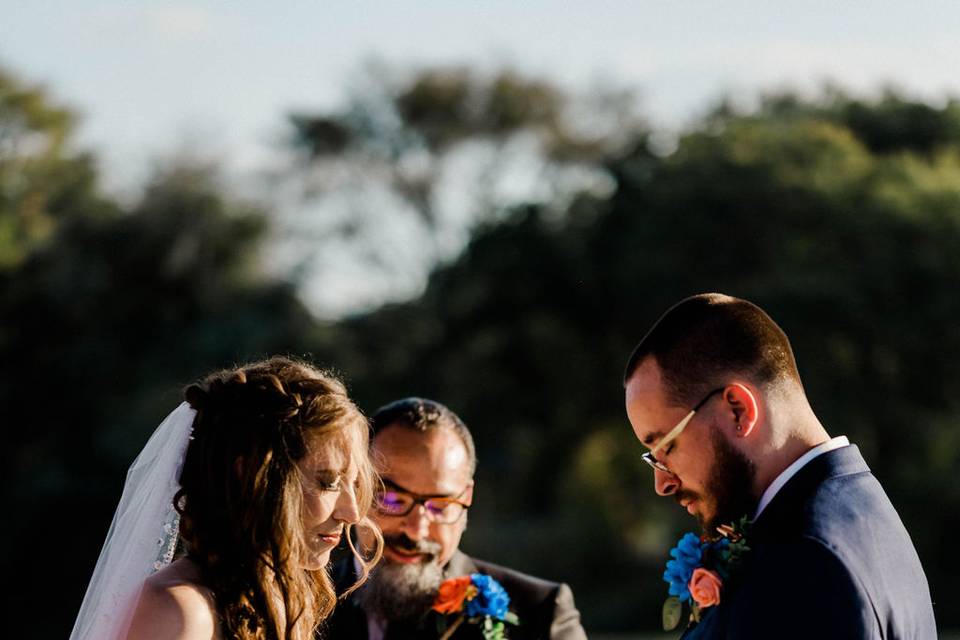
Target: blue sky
x=153, y=78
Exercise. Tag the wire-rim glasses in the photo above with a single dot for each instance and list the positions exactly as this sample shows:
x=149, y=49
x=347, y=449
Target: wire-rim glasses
x=649, y=457
x=395, y=501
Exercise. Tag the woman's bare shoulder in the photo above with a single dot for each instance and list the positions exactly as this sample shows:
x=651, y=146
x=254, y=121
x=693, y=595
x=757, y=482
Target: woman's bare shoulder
x=174, y=605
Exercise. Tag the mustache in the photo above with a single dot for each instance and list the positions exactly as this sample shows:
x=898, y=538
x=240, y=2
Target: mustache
x=401, y=541
x=684, y=495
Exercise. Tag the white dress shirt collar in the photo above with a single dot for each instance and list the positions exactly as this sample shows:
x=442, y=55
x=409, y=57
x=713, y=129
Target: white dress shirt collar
x=789, y=472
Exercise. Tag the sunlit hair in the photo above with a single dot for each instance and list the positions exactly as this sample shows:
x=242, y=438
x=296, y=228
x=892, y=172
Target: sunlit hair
x=702, y=341
x=241, y=494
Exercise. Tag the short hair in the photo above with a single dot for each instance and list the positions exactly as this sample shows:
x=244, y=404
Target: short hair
x=420, y=414
x=706, y=338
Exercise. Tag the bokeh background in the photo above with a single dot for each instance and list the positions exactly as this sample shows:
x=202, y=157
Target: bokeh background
x=484, y=203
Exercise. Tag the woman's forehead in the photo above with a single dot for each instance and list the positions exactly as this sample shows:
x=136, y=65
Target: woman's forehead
x=334, y=449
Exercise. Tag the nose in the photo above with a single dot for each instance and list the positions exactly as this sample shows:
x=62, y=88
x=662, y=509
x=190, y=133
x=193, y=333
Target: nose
x=346, y=509
x=416, y=524
x=665, y=483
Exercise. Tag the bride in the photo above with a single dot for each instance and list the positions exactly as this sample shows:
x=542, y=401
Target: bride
x=258, y=476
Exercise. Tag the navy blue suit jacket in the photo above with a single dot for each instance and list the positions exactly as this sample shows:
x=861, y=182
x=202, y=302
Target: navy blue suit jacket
x=829, y=558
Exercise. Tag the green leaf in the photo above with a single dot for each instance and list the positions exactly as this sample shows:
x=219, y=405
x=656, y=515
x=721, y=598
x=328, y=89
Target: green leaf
x=492, y=630
x=672, y=611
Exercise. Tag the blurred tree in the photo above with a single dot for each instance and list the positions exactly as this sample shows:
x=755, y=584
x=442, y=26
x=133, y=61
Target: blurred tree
x=106, y=312
x=42, y=180
x=841, y=216
x=891, y=124
x=849, y=243
x=853, y=250
x=415, y=160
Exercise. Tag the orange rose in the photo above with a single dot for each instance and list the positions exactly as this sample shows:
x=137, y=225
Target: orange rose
x=451, y=594
x=705, y=587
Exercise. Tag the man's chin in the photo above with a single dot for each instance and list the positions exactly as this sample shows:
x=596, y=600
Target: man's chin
x=708, y=525
x=401, y=591
x=708, y=521
x=706, y=516
x=696, y=508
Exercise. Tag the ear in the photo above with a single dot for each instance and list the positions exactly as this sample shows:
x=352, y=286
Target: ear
x=467, y=497
x=745, y=407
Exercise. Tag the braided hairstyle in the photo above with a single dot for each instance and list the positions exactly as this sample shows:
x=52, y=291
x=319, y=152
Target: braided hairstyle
x=241, y=496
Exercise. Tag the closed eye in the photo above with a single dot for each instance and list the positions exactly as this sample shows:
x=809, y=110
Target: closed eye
x=438, y=505
x=330, y=482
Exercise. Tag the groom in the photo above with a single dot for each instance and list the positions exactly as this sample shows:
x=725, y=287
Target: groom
x=713, y=391
x=427, y=461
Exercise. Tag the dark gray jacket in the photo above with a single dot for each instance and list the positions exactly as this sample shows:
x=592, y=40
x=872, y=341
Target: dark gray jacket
x=545, y=609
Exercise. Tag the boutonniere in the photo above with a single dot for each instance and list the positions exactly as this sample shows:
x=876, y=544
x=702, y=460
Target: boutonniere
x=699, y=568
x=477, y=599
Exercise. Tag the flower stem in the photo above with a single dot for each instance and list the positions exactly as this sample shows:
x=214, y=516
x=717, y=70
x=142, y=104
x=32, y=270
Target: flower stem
x=452, y=628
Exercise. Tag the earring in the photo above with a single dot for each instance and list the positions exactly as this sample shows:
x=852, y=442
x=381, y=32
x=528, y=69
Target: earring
x=739, y=428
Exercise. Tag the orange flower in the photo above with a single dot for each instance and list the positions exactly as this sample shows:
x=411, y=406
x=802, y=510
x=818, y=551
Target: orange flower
x=451, y=594
x=705, y=587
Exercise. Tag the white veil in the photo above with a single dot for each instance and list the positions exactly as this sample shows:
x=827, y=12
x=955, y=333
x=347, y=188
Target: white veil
x=143, y=535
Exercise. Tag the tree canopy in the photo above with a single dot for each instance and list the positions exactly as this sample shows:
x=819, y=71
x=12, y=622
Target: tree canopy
x=107, y=309
x=839, y=215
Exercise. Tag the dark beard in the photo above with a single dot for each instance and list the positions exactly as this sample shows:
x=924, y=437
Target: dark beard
x=402, y=593
x=730, y=484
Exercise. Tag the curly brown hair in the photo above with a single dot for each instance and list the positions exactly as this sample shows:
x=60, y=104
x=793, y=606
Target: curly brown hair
x=241, y=496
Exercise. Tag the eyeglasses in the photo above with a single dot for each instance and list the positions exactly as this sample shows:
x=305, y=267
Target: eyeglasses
x=672, y=435
x=396, y=501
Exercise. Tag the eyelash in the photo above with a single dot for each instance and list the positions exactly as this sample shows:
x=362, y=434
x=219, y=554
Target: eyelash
x=337, y=484
x=334, y=485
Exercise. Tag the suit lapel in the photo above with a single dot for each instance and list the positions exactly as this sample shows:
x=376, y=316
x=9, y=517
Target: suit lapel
x=460, y=565
x=705, y=628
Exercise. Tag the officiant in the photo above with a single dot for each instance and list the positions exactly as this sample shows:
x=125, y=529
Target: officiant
x=425, y=587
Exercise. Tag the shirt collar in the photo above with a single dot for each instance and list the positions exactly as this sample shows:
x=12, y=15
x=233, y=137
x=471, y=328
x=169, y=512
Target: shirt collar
x=789, y=472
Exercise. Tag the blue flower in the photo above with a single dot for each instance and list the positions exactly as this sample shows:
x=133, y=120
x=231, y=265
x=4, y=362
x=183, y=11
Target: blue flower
x=686, y=557
x=491, y=598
